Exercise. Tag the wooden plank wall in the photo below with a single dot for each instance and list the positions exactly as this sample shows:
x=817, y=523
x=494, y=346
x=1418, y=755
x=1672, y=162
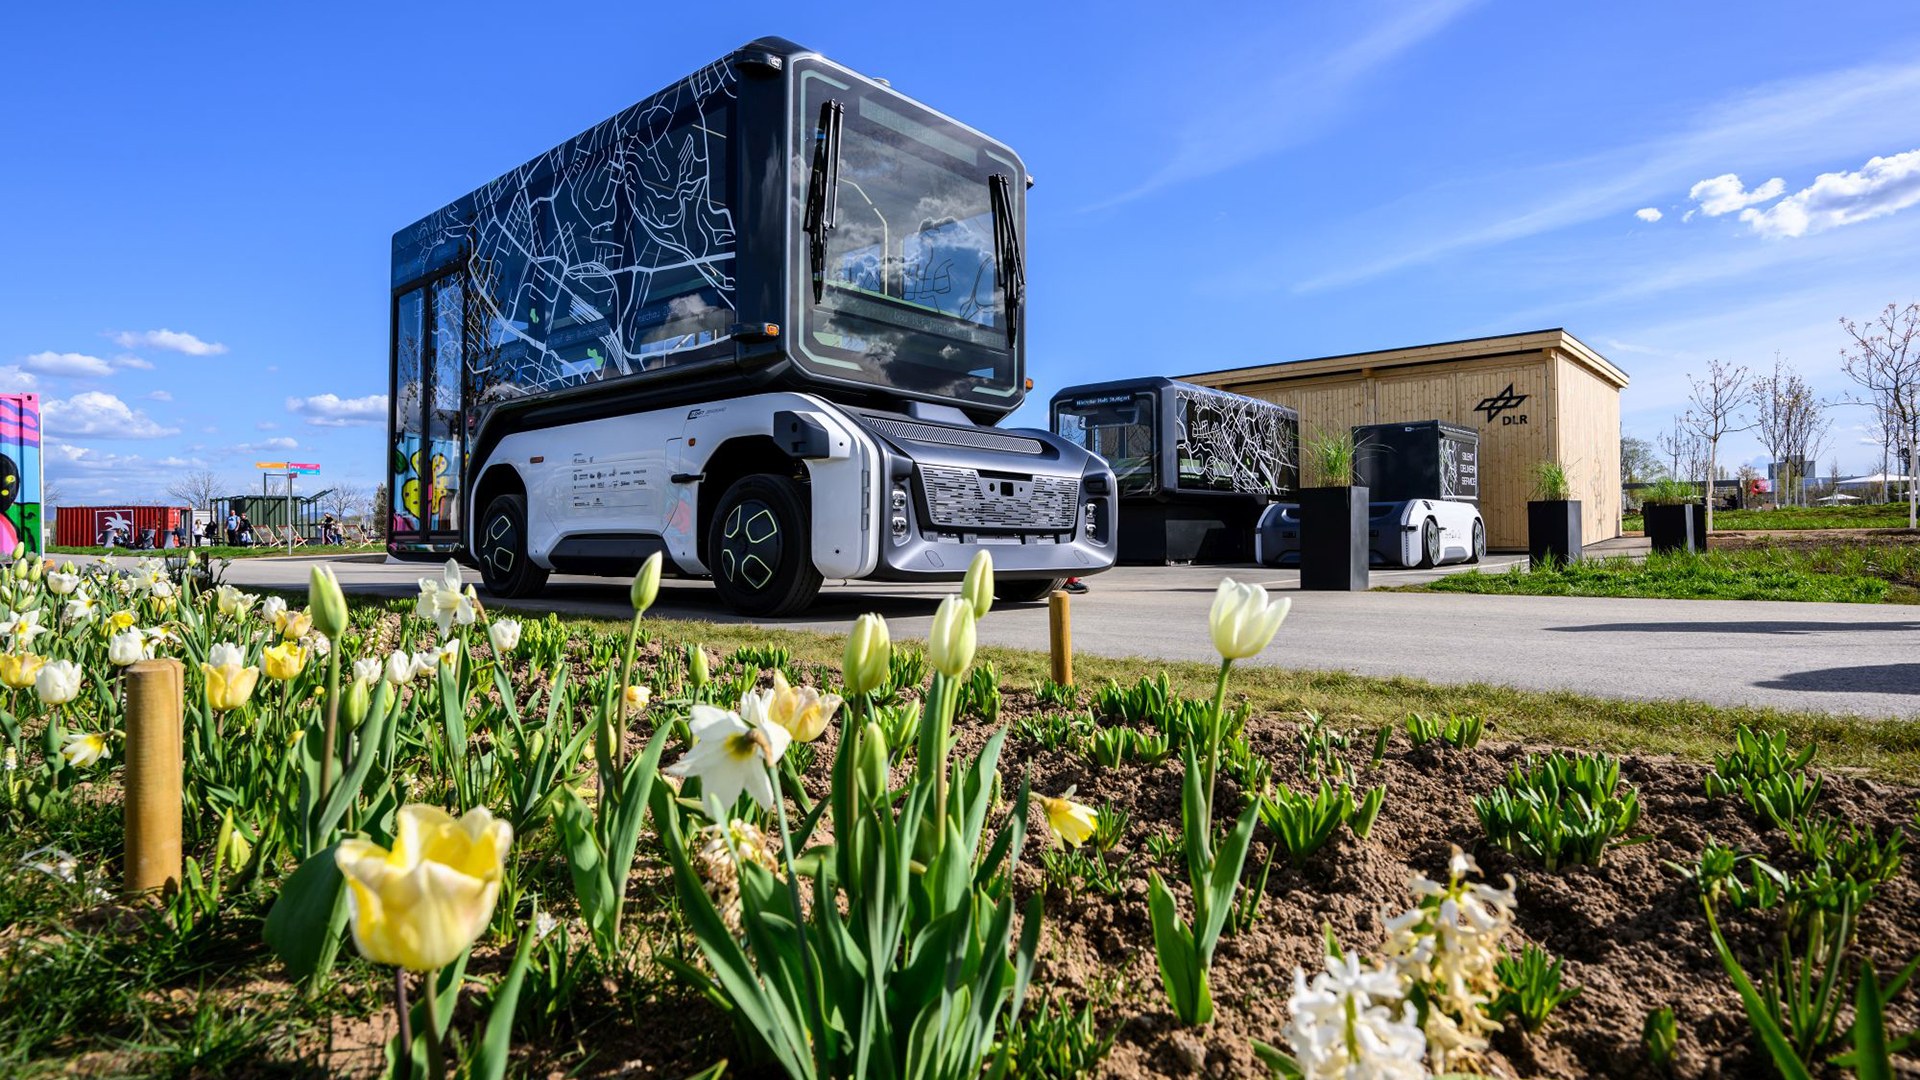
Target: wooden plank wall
x=1588, y=444
x=1568, y=412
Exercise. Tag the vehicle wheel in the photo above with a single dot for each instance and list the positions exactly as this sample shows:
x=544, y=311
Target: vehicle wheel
x=759, y=549
x=1479, y=541
x=1429, y=544
x=501, y=549
x=1027, y=591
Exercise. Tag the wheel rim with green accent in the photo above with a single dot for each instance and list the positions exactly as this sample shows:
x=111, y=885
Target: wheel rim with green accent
x=750, y=545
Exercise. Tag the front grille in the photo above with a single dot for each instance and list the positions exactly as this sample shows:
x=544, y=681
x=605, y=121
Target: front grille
x=973, y=438
x=962, y=499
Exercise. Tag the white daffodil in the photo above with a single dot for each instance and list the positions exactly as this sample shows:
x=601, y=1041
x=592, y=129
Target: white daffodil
x=1243, y=620
x=83, y=748
x=504, y=634
x=82, y=608
x=734, y=751
x=444, y=600
x=57, y=683
x=126, y=648
x=20, y=630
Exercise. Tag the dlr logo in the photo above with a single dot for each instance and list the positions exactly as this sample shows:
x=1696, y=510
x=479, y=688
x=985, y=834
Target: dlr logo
x=1506, y=421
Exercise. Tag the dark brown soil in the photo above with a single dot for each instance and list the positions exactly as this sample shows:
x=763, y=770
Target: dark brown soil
x=1631, y=930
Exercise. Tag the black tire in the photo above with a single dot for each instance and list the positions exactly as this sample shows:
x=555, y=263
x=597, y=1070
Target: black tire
x=500, y=547
x=1429, y=544
x=1025, y=591
x=759, y=547
x=1479, y=541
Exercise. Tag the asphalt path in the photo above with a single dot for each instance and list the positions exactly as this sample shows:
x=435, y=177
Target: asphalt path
x=1843, y=658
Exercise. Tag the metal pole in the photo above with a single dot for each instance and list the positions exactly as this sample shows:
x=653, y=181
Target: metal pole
x=154, y=707
x=290, y=476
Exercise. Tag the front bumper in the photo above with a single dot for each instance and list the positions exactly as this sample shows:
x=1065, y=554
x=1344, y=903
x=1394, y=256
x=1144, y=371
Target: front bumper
x=1043, y=507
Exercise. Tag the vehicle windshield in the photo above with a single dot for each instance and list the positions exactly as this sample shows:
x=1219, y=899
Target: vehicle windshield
x=1118, y=427
x=900, y=260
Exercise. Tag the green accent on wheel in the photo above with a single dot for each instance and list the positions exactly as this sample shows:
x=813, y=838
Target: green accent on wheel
x=757, y=572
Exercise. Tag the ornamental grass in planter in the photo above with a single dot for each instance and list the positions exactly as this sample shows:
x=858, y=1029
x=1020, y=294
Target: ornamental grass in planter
x=1553, y=516
x=1333, y=517
x=1668, y=507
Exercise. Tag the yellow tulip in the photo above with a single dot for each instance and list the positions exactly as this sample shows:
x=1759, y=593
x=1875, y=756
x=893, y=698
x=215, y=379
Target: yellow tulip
x=422, y=904
x=229, y=685
x=803, y=711
x=1071, y=821
x=293, y=625
x=950, y=641
x=18, y=670
x=285, y=660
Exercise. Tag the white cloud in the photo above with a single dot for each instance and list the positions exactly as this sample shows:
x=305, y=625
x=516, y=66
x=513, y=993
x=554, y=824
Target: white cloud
x=68, y=363
x=100, y=415
x=176, y=340
x=1648, y=214
x=1883, y=186
x=1725, y=193
x=15, y=380
x=266, y=425
x=278, y=442
x=159, y=395
x=128, y=360
x=332, y=410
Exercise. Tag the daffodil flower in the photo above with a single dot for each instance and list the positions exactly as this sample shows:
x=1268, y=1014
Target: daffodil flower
x=444, y=600
x=84, y=748
x=1071, y=822
x=734, y=751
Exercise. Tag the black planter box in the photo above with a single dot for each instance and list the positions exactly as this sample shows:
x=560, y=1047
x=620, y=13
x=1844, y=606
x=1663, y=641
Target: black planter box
x=1553, y=531
x=1676, y=528
x=1333, y=538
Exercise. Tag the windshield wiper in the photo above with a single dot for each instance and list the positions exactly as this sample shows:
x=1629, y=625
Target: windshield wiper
x=1009, y=269
x=823, y=191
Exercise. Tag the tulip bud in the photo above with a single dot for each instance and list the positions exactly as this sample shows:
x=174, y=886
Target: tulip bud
x=359, y=700
x=697, y=665
x=869, y=657
x=950, y=641
x=1243, y=620
x=646, y=584
x=978, y=587
x=230, y=848
x=325, y=602
x=870, y=763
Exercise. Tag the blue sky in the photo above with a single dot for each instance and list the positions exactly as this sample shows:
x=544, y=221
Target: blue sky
x=201, y=198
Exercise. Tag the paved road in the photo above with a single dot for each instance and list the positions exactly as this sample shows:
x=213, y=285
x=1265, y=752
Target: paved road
x=1855, y=658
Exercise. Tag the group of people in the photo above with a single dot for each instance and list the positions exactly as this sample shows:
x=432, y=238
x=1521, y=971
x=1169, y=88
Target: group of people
x=240, y=530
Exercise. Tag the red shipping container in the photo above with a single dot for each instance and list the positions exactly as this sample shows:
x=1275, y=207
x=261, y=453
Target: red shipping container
x=84, y=526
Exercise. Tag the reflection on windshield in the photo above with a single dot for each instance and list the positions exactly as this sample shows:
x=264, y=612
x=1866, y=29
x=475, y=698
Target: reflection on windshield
x=1121, y=431
x=910, y=297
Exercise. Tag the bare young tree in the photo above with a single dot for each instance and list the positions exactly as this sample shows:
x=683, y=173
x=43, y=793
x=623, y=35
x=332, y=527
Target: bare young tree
x=1717, y=400
x=198, y=489
x=1884, y=360
x=1786, y=413
x=343, y=501
x=1639, y=462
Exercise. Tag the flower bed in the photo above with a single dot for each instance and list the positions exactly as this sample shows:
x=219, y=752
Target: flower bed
x=669, y=857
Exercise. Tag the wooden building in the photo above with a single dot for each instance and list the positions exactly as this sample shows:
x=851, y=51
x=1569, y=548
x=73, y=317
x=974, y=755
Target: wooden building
x=1533, y=397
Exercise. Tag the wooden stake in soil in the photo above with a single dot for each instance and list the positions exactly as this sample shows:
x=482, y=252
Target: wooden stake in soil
x=1060, y=636
x=154, y=707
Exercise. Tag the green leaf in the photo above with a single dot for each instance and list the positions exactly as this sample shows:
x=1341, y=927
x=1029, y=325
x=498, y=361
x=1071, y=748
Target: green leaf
x=1227, y=865
x=1180, y=971
x=1758, y=1015
x=304, y=928
x=1872, y=1060
x=490, y=1059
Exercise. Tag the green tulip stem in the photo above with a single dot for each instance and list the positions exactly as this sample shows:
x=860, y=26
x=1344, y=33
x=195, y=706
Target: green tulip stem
x=1214, y=731
x=626, y=680
x=799, y=923
x=330, y=740
x=406, y=1022
x=943, y=698
x=436, y=1053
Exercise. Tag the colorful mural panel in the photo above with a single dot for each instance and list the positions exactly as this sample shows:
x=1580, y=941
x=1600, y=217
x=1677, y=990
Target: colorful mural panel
x=21, y=482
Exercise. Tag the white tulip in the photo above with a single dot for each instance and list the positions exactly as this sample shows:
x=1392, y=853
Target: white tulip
x=62, y=584
x=225, y=654
x=1243, y=621
x=126, y=648
x=272, y=609
x=399, y=668
x=504, y=634
x=58, y=682
x=366, y=671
